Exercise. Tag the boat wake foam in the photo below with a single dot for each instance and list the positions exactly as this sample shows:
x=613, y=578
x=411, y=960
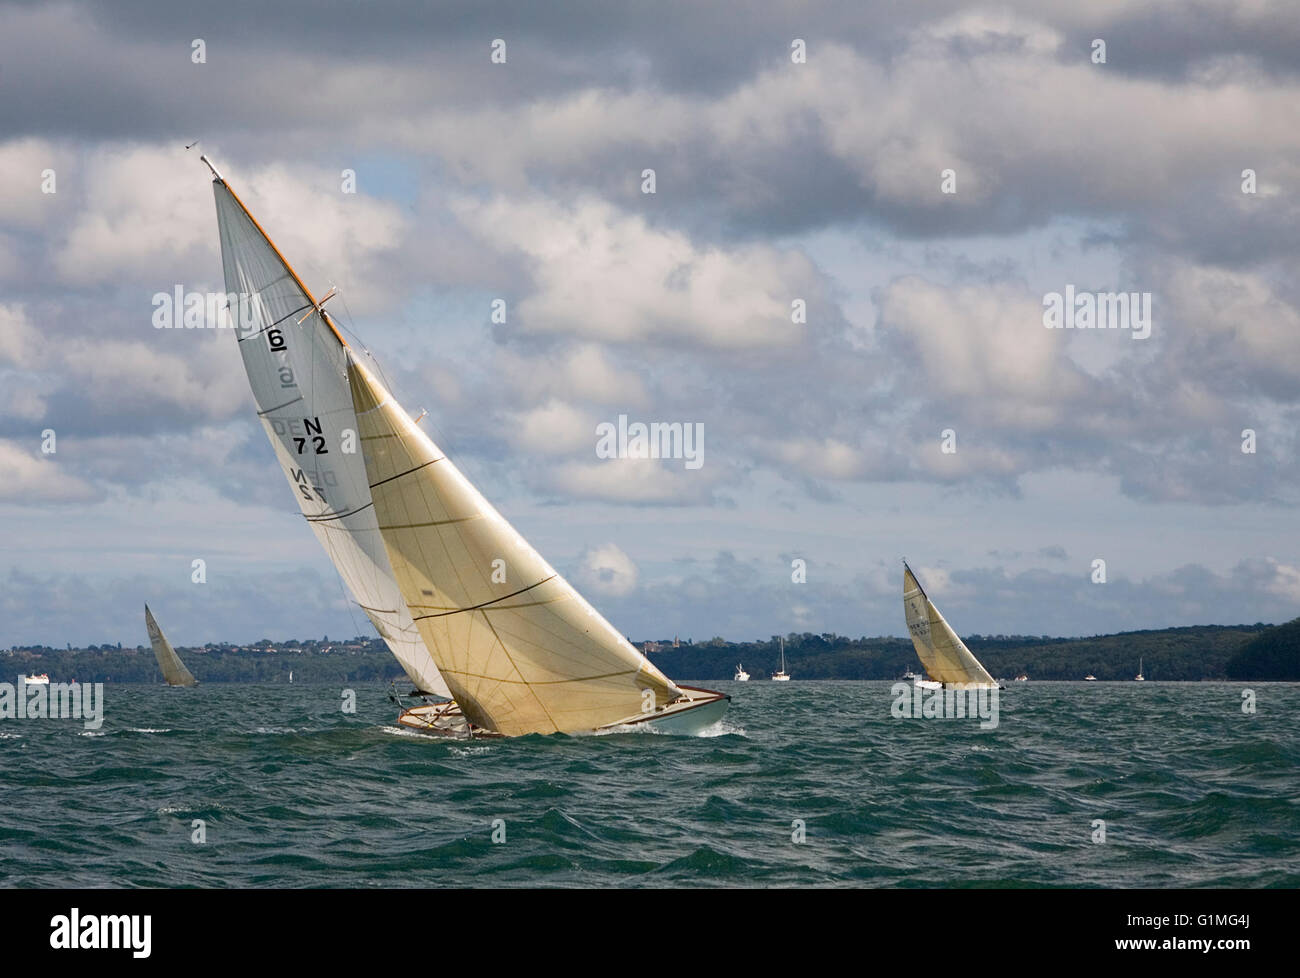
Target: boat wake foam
x=720, y=728
x=470, y=751
x=403, y=732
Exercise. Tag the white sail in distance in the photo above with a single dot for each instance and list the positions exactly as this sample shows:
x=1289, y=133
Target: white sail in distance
x=173, y=669
x=295, y=362
x=942, y=652
x=521, y=650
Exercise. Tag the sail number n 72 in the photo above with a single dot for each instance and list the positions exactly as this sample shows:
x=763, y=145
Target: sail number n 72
x=313, y=428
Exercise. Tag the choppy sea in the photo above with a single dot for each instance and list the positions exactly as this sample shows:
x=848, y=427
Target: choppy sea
x=802, y=784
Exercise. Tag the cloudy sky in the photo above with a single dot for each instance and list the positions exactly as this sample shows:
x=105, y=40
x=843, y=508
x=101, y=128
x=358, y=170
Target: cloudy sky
x=778, y=177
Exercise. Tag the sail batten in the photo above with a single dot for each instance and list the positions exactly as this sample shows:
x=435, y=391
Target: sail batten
x=173, y=669
x=549, y=664
x=336, y=516
x=296, y=368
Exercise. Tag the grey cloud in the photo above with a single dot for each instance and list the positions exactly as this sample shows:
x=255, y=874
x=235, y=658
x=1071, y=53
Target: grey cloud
x=1071, y=140
x=750, y=598
x=1139, y=158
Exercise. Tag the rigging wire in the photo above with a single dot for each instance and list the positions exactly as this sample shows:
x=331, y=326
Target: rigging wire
x=443, y=440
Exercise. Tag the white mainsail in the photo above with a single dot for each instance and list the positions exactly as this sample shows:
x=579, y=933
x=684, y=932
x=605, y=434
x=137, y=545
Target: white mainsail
x=173, y=669
x=522, y=651
x=295, y=361
x=941, y=651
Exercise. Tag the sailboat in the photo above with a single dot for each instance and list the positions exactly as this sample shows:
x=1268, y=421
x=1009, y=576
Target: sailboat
x=421, y=550
x=781, y=676
x=741, y=675
x=943, y=654
x=173, y=669
x=1139, y=678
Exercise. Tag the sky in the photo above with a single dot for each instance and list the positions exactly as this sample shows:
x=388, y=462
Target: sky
x=918, y=178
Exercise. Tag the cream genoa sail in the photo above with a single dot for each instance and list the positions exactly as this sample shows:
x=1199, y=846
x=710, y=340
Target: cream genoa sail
x=941, y=651
x=295, y=362
x=522, y=651
x=173, y=669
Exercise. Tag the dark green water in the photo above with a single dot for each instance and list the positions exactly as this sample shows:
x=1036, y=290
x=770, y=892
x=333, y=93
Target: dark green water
x=295, y=793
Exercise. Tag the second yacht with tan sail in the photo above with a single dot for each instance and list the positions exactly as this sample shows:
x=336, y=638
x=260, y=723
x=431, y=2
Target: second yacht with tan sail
x=943, y=654
x=173, y=669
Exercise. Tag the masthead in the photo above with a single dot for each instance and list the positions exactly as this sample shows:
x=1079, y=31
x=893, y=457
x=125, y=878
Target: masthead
x=215, y=172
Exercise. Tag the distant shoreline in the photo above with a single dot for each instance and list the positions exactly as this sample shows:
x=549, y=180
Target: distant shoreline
x=1183, y=654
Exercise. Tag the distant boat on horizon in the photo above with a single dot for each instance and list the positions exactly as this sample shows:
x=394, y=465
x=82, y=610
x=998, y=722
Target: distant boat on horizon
x=741, y=675
x=781, y=676
x=37, y=680
x=943, y=654
x=173, y=669
x=1139, y=678
x=1090, y=678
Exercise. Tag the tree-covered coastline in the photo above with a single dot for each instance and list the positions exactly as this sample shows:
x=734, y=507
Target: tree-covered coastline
x=1202, y=652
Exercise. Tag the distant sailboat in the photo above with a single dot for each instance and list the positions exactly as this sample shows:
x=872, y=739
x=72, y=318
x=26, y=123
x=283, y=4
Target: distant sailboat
x=173, y=669
x=1139, y=678
x=781, y=676
x=290, y=677
x=741, y=675
x=943, y=654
